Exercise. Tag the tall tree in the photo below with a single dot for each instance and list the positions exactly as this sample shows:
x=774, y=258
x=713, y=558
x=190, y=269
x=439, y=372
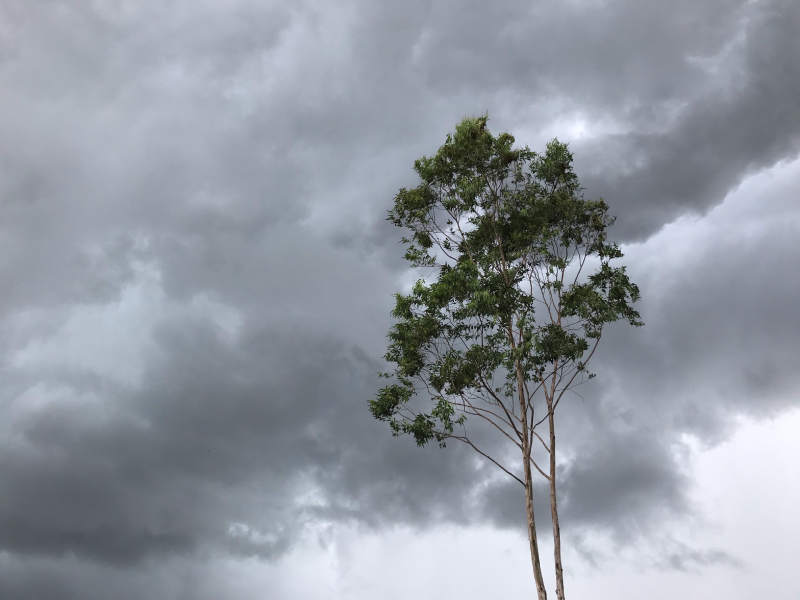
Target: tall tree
x=507, y=317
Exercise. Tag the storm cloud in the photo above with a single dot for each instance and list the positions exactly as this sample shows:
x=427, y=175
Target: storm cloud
x=197, y=273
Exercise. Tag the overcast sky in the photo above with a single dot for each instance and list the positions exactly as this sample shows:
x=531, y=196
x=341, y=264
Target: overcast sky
x=196, y=276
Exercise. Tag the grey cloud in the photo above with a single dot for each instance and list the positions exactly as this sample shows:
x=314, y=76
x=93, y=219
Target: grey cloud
x=73, y=579
x=244, y=156
x=685, y=559
x=747, y=121
x=165, y=470
x=621, y=481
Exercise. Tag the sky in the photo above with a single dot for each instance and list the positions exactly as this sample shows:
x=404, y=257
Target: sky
x=196, y=278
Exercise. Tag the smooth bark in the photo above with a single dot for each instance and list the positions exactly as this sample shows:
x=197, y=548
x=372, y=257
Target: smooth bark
x=554, y=506
x=526, y=461
x=534, y=544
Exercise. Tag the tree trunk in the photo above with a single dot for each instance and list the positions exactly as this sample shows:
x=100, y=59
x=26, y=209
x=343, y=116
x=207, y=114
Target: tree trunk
x=526, y=461
x=554, y=506
x=534, y=544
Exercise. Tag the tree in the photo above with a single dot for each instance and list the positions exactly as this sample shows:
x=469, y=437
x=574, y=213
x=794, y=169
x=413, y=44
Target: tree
x=507, y=319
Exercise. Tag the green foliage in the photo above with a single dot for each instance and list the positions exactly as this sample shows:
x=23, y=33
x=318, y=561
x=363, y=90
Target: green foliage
x=505, y=236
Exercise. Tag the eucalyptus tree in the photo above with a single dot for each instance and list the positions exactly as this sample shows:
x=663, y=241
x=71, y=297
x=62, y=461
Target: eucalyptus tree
x=507, y=316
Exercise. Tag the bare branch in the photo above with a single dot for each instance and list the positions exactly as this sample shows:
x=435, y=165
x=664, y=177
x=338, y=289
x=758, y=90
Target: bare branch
x=542, y=473
x=466, y=440
x=541, y=440
x=478, y=413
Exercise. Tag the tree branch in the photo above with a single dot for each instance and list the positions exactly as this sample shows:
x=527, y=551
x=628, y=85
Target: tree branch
x=466, y=440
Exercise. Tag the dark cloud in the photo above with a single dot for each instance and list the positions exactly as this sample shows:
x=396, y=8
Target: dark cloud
x=165, y=468
x=744, y=121
x=215, y=452
x=197, y=273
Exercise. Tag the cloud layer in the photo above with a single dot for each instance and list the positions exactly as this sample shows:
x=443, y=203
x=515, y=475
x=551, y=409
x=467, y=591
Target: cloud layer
x=197, y=274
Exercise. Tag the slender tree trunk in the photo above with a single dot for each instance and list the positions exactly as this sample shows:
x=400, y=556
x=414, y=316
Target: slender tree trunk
x=554, y=505
x=534, y=543
x=526, y=461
